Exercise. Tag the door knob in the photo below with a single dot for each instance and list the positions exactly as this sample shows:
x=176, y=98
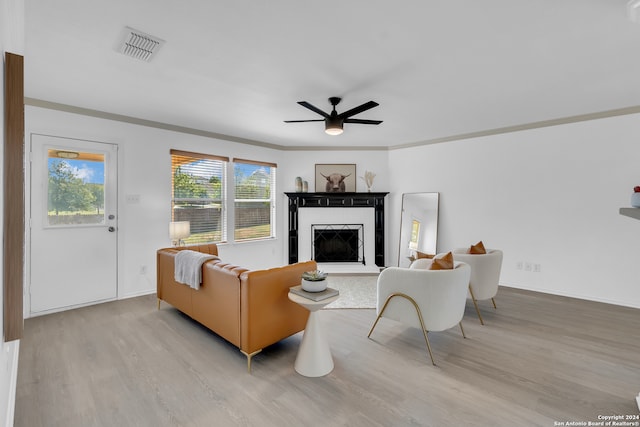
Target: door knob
x=111, y=229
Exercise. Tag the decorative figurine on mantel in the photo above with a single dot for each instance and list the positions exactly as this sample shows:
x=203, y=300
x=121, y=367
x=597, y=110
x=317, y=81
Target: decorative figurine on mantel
x=368, y=179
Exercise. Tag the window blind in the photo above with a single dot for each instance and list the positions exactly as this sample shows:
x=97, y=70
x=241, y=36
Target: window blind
x=255, y=207
x=198, y=195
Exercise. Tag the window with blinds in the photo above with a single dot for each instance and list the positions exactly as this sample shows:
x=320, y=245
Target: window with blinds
x=198, y=195
x=254, y=204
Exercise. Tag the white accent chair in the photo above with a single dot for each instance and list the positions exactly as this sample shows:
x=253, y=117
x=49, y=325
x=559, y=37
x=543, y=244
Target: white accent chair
x=485, y=275
x=431, y=300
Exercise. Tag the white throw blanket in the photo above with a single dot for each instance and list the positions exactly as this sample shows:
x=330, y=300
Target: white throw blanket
x=188, y=267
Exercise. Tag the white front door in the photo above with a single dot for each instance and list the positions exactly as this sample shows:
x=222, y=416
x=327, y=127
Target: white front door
x=73, y=236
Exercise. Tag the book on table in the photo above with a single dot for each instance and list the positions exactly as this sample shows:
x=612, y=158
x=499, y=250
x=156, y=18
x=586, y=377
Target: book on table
x=314, y=296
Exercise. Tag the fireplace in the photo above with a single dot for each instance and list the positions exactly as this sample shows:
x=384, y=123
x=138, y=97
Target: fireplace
x=337, y=208
x=338, y=243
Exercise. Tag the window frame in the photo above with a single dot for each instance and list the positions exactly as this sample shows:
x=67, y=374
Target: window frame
x=272, y=200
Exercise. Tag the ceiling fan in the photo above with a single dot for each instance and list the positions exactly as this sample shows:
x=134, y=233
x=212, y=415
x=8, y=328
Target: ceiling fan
x=334, y=122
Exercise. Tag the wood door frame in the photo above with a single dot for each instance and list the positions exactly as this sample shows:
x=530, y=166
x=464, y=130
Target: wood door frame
x=14, y=203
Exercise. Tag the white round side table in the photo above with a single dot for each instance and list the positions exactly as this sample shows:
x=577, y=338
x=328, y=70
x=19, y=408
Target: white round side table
x=314, y=355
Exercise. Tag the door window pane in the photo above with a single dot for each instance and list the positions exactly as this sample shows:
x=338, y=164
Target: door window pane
x=75, y=188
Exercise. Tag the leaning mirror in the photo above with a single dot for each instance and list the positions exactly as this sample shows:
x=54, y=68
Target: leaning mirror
x=418, y=226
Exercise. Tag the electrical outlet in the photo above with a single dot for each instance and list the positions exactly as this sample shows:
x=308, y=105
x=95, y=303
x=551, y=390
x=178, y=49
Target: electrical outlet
x=519, y=265
x=527, y=266
x=536, y=268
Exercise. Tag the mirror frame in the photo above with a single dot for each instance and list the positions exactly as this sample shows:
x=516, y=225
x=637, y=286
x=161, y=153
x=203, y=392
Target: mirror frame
x=405, y=216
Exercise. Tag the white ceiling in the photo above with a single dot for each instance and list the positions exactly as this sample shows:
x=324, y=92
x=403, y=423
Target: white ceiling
x=438, y=68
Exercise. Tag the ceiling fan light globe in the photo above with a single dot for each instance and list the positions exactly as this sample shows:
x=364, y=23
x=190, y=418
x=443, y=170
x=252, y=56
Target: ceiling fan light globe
x=333, y=127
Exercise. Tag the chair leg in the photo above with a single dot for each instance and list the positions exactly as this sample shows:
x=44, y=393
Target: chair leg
x=425, y=332
x=377, y=318
x=159, y=303
x=473, y=298
x=462, y=330
x=494, y=303
x=415, y=305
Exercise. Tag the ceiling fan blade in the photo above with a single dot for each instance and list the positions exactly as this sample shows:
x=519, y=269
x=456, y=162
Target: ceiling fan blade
x=313, y=108
x=363, y=122
x=364, y=107
x=302, y=121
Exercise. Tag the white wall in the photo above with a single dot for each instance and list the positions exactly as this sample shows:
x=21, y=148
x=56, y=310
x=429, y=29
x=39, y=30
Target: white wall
x=548, y=196
x=11, y=40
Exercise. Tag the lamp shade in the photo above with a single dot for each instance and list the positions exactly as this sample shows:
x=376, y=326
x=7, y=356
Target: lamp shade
x=179, y=230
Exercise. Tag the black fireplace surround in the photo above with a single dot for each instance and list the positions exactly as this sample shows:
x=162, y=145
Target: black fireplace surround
x=337, y=200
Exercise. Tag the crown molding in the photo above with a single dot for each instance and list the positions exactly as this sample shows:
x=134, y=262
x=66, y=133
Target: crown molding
x=143, y=122
x=208, y=134
x=526, y=126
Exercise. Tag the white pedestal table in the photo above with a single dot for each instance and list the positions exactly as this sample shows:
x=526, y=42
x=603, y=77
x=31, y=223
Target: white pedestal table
x=314, y=356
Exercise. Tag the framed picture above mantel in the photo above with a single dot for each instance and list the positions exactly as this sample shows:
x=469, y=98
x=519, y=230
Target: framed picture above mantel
x=335, y=178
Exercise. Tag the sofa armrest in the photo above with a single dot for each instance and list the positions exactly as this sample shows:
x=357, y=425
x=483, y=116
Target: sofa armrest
x=268, y=315
x=167, y=289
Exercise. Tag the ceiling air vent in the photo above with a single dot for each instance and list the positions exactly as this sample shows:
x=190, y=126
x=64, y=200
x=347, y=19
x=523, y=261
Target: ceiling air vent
x=139, y=45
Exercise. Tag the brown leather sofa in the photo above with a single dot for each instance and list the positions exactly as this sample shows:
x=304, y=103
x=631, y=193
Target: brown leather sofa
x=250, y=309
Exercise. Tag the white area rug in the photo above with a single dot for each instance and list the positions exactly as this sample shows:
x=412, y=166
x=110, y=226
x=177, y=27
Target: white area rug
x=356, y=291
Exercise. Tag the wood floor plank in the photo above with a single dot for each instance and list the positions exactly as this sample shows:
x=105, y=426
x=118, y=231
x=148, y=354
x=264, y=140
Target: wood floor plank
x=539, y=359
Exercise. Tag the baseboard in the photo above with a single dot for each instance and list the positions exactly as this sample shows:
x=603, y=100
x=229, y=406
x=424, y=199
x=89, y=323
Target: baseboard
x=138, y=294
x=571, y=295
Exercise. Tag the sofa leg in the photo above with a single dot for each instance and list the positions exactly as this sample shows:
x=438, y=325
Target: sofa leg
x=249, y=356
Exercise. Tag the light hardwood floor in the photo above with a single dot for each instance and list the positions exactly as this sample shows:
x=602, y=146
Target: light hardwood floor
x=539, y=359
